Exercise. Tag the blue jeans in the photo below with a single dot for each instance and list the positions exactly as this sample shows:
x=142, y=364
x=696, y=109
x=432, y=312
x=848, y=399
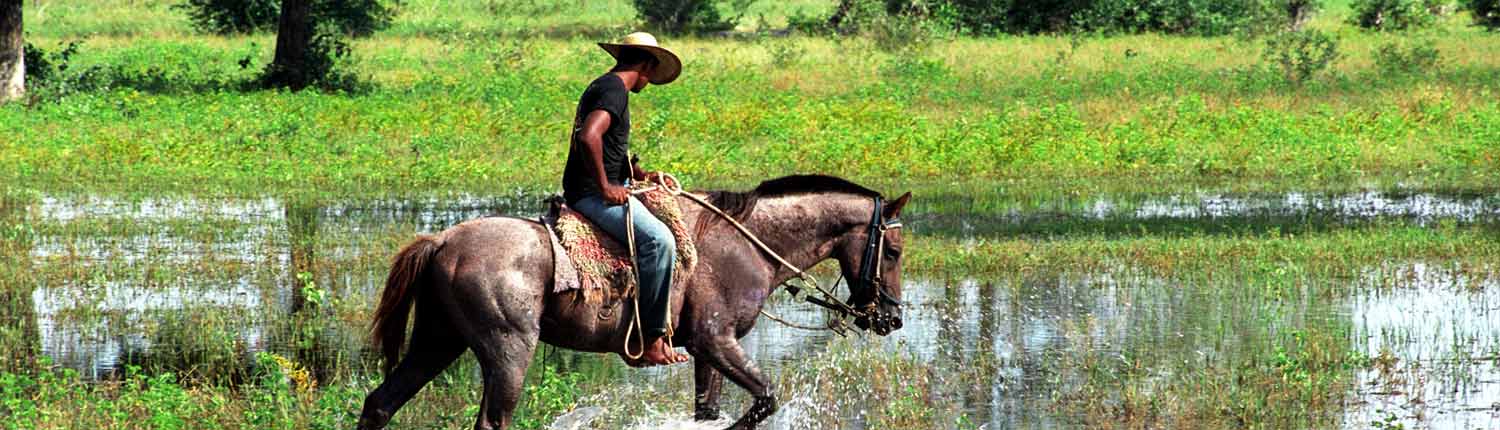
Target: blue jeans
x=655, y=251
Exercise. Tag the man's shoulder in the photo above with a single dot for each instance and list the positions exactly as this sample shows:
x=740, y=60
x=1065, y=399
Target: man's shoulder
x=607, y=82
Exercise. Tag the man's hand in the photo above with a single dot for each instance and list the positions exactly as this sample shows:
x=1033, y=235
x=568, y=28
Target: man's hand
x=615, y=194
x=659, y=178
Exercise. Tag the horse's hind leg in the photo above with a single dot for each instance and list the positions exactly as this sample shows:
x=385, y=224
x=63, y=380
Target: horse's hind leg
x=708, y=383
x=504, y=313
x=434, y=346
x=503, y=361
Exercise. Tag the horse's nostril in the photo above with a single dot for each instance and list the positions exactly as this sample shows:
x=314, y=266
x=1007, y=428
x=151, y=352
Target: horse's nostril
x=896, y=323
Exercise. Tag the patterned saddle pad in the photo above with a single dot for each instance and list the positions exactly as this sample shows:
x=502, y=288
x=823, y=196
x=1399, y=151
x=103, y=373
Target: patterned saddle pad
x=602, y=264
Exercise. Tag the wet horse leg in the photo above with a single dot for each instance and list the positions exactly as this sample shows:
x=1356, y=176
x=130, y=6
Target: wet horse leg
x=725, y=355
x=708, y=383
x=503, y=357
x=432, y=349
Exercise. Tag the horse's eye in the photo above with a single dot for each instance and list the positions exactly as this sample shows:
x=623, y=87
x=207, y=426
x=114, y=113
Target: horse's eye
x=892, y=253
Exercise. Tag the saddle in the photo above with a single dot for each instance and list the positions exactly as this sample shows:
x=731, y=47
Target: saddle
x=591, y=262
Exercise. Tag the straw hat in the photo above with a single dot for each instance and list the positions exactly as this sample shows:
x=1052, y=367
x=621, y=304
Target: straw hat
x=668, y=66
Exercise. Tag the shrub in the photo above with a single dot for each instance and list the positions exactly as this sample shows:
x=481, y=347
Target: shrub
x=43, y=66
x=893, y=26
x=357, y=18
x=354, y=17
x=682, y=16
x=1198, y=17
x=1407, y=58
x=1486, y=13
x=803, y=22
x=904, y=34
x=1301, y=54
x=1390, y=15
x=785, y=52
x=232, y=16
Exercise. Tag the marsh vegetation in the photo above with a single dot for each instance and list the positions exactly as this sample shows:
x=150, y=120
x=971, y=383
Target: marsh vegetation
x=1119, y=230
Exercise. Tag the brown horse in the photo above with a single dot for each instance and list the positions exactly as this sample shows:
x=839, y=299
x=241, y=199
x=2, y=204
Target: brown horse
x=486, y=285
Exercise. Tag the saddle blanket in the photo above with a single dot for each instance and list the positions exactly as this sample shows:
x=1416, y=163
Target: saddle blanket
x=589, y=260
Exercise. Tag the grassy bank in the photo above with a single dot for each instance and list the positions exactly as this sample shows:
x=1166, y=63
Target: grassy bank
x=460, y=105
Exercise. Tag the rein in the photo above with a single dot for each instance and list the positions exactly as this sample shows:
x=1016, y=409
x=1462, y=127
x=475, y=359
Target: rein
x=869, y=272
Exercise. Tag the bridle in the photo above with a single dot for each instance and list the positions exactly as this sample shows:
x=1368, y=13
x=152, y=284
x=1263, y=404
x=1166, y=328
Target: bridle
x=869, y=266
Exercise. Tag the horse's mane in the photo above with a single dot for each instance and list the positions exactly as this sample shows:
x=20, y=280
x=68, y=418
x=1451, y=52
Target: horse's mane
x=739, y=204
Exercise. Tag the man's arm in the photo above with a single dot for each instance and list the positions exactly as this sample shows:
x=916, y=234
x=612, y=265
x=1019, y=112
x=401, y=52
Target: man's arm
x=593, y=140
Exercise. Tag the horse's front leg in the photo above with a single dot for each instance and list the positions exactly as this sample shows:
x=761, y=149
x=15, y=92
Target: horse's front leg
x=708, y=384
x=724, y=354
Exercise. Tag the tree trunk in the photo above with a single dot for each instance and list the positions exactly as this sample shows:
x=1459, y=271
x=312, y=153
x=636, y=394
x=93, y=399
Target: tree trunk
x=12, y=52
x=293, y=35
x=839, y=14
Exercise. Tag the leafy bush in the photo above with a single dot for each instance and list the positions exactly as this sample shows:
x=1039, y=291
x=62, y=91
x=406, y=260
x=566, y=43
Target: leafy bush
x=1301, y=54
x=357, y=18
x=1390, y=15
x=1198, y=17
x=159, y=68
x=353, y=17
x=904, y=34
x=232, y=16
x=682, y=16
x=785, y=52
x=893, y=26
x=1486, y=13
x=1407, y=58
x=43, y=66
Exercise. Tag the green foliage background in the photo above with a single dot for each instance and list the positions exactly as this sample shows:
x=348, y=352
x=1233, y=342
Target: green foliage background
x=476, y=96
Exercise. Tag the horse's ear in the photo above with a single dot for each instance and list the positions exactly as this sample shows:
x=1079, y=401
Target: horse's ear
x=893, y=209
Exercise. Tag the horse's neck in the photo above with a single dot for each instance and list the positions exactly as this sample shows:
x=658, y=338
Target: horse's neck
x=803, y=228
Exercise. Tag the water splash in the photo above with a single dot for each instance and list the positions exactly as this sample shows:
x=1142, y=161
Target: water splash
x=676, y=422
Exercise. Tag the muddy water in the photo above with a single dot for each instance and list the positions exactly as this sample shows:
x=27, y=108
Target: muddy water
x=119, y=280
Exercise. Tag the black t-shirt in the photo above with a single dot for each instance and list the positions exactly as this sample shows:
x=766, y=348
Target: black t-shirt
x=607, y=93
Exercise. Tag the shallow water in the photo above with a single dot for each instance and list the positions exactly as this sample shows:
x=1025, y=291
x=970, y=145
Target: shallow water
x=110, y=271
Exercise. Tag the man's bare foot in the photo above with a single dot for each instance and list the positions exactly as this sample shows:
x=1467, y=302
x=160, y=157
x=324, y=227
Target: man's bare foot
x=659, y=354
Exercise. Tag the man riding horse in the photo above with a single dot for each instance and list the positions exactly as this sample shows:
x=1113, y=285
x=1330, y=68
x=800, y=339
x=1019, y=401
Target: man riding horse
x=599, y=169
x=487, y=285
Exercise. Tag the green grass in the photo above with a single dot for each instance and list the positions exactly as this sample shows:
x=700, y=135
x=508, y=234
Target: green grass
x=480, y=110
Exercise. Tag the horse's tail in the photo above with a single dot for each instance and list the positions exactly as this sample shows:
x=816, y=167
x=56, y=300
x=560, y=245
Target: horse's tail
x=388, y=329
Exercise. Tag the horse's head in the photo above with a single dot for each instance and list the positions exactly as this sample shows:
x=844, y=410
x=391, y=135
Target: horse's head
x=871, y=260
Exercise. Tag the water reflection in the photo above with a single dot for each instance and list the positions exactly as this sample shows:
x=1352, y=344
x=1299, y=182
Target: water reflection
x=1437, y=344
x=971, y=216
